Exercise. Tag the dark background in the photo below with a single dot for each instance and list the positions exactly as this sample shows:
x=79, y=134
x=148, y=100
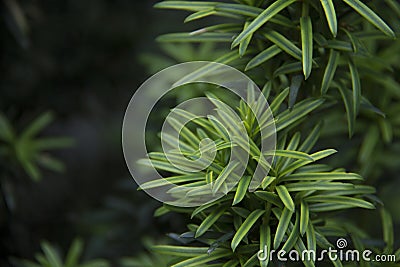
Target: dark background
x=79, y=59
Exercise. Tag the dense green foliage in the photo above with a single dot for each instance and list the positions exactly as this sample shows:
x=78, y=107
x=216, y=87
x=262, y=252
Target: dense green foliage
x=314, y=60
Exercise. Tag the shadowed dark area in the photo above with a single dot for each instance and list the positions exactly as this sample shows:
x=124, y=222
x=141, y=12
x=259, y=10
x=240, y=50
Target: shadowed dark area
x=79, y=59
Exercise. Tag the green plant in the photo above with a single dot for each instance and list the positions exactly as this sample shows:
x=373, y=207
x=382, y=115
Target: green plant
x=312, y=58
x=51, y=257
x=28, y=151
x=291, y=201
x=22, y=155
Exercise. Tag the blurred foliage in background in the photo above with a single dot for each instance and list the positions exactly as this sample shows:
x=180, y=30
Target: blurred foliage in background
x=80, y=60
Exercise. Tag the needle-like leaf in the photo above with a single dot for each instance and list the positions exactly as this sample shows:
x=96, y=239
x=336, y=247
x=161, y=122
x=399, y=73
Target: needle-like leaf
x=264, y=17
x=304, y=217
x=283, y=224
x=329, y=70
x=284, y=43
x=306, y=45
x=210, y=220
x=330, y=14
x=356, y=86
x=263, y=57
x=284, y=195
x=245, y=227
x=186, y=5
x=371, y=16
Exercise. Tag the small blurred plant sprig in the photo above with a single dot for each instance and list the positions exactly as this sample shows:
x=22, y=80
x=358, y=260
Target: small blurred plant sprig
x=51, y=257
x=28, y=150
